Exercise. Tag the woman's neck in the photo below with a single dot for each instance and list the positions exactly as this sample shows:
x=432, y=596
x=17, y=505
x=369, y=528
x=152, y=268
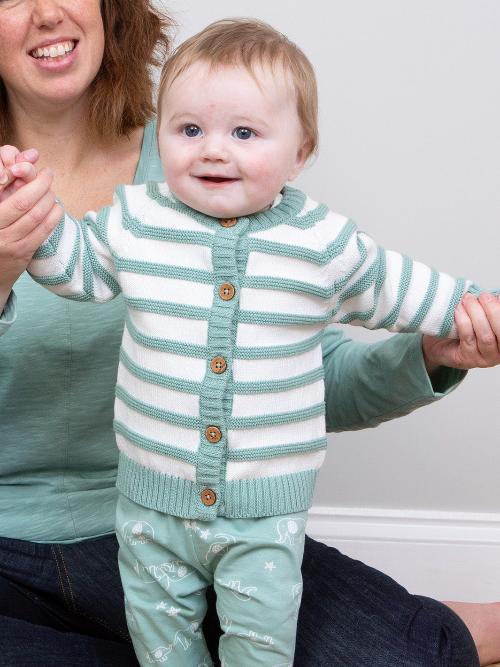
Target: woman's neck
x=86, y=169
x=60, y=135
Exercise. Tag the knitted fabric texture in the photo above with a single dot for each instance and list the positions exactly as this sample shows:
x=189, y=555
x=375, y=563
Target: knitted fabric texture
x=220, y=382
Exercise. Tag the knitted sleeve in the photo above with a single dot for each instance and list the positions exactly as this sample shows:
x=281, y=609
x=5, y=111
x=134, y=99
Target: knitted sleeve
x=76, y=260
x=382, y=289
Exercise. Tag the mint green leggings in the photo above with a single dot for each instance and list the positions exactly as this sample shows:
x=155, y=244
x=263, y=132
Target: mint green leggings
x=166, y=563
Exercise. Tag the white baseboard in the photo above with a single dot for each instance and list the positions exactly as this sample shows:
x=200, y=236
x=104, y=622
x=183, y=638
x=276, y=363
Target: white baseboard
x=446, y=555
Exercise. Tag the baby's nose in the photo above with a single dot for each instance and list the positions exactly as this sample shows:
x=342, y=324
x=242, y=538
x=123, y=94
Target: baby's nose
x=214, y=148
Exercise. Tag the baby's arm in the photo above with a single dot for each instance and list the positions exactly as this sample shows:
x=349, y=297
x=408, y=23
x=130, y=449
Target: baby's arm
x=381, y=289
x=76, y=260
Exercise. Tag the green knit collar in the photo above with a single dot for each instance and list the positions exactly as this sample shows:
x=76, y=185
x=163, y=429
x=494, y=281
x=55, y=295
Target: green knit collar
x=288, y=207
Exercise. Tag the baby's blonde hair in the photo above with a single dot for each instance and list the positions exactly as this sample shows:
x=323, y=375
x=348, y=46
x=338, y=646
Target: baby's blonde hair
x=251, y=44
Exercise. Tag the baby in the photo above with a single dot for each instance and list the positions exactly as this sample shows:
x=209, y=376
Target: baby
x=229, y=277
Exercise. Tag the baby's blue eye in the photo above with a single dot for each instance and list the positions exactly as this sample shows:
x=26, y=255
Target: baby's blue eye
x=192, y=131
x=243, y=133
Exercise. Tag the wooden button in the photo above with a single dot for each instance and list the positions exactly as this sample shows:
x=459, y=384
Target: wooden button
x=218, y=365
x=208, y=497
x=213, y=434
x=227, y=291
x=228, y=222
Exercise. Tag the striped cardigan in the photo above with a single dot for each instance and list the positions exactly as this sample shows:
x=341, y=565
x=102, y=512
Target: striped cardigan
x=219, y=398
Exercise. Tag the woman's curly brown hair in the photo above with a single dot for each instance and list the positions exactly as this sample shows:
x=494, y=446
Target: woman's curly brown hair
x=121, y=95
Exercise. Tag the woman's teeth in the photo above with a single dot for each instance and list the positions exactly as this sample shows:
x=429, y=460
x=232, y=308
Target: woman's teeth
x=54, y=50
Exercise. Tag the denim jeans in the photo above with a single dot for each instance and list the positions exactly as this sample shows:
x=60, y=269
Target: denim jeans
x=62, y=604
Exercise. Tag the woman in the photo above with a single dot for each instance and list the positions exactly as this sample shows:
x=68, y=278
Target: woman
x=74, y=74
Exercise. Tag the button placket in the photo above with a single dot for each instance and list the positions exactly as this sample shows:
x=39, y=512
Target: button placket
x=216, y=392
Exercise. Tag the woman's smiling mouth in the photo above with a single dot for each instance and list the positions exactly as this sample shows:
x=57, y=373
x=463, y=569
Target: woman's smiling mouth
x=54, y=50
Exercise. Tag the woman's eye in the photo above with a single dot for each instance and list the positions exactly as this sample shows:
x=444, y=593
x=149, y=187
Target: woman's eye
x=192, y=131
x=243, y=133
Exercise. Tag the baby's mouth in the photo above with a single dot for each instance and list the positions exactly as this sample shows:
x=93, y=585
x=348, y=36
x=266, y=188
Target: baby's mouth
x=217, y=179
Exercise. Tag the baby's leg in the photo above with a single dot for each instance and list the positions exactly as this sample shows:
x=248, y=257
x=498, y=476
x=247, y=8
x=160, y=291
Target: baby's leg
x=164, y=587
x=259, y=585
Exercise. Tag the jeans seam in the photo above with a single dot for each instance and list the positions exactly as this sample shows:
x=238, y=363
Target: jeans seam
x=60, y=576
x=71, y=603
x=63, y=563
x=101, y=621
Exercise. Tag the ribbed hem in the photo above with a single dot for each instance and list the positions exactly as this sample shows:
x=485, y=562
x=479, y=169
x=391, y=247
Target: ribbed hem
x=238, y=499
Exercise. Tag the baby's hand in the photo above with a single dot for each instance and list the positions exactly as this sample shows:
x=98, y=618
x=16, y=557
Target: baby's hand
x=16, y=169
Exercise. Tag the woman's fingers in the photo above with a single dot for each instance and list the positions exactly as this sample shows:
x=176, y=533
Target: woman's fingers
x=45, y=228
x=20, y=204
x=29, y=155
x=9, y=156
x=491, y=306
x=28, y=212
x=33, y=218
x=465, y=328
x=20, y=174
x=23, y=170
x=484, y=315
x=19, y=241
x=478, y=328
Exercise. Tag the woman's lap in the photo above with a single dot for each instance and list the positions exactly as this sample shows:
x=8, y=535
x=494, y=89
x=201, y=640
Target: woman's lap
x=23, y=643
x=371, y=620
x=62, y=600
x=66, y=600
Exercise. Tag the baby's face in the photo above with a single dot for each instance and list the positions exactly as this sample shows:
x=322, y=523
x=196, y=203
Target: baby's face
x=227, y=144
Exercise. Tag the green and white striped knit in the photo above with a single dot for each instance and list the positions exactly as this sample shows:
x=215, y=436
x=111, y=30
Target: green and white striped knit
x=293, y=269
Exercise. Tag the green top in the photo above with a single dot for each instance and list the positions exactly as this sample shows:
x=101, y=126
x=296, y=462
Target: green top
x=58, y=465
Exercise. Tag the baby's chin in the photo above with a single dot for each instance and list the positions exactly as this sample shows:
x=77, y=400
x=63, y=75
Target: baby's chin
x=226, y=213
x=216, y=207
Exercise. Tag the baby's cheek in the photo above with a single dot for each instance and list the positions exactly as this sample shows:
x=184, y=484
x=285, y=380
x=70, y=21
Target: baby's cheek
x=262, y=167
x=264, y=176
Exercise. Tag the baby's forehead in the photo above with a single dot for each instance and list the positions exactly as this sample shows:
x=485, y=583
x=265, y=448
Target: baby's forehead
x=269, y=77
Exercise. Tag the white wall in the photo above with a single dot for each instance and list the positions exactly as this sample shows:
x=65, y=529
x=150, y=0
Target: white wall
x=410, y=148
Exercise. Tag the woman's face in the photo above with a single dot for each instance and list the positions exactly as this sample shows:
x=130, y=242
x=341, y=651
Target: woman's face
x=50, y=50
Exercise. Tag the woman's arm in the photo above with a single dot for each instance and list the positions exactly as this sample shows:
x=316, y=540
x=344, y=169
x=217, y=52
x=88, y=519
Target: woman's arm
x=369, y=384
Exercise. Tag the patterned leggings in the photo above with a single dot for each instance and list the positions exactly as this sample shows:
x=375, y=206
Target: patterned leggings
x=166, y=563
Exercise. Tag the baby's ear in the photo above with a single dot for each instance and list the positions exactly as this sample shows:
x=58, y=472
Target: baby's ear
x=300, y=160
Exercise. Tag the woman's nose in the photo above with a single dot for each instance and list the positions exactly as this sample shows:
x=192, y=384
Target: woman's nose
x=47, y=13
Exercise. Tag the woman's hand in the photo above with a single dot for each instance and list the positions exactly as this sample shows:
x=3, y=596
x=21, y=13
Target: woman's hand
x=28, y=213
x=478, y=346
x=16, y=169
